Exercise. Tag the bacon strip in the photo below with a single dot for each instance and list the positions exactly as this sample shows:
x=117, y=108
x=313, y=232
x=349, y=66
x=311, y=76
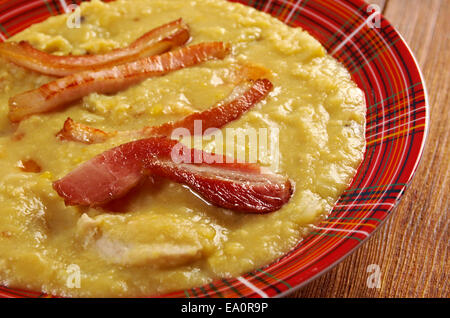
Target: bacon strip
x=73, y=87
x=241, y=187
x=215, y=117
x=246, y=188
x=156, y=41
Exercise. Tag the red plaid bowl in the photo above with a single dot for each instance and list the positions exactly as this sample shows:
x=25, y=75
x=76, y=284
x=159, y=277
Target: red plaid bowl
x=383, y=66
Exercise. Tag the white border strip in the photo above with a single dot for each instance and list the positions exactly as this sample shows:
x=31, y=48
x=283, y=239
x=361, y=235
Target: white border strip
x=356, y=31
x=266, y=8
x=293, y=10
x=64, y=5
x=363, y=204
x=393, y=128
x=22, y=8
x=342, y=230
x=252, y=287
x=399, y=117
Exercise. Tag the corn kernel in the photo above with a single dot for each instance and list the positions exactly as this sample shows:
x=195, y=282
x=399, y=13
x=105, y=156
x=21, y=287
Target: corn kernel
x=157, y=109
x=46, y=175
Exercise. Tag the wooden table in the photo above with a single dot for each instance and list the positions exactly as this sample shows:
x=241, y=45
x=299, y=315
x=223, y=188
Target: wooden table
x=412, y=247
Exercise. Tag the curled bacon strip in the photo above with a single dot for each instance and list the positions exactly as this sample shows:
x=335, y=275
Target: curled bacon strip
x=73, y=87
x=241, y=187
x=156, y=41
x=215, y=117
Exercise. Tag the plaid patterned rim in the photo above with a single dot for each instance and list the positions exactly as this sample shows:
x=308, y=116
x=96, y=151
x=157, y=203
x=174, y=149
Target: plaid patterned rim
x=397, y=122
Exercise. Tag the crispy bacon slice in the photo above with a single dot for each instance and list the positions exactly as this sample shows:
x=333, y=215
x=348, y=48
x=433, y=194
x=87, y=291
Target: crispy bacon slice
x=243, y=99
x=109, y=80
x=245, y=188
x=156, y=41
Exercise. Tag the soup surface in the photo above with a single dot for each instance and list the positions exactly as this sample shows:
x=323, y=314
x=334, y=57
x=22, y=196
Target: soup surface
x=163, y=238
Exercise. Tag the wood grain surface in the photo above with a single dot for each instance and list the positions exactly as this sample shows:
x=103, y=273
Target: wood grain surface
x=411, y=249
